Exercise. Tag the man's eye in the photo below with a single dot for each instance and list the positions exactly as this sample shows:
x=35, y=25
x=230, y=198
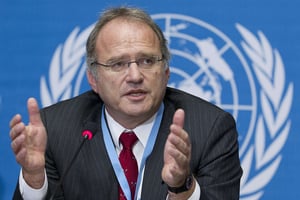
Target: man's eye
x=118, y=64
x=147, y=61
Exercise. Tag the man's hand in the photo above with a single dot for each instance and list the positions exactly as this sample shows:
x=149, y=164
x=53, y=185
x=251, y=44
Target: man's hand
x=177, y=153
x=29, y=144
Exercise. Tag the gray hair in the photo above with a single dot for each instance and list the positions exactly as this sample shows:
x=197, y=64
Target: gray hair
x=129, y=13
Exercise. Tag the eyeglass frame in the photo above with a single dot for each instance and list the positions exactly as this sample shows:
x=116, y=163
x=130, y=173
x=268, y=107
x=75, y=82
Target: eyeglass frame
x=128, y=63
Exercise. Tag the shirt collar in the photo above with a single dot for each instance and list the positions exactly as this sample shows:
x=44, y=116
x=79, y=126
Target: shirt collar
x=142, y=131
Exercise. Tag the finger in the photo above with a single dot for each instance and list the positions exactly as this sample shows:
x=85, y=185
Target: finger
x=16, y=130
x=179, y=134
x=17, y=143
x=179, y=138
x=34, y=112
x=179, y=157
x=178, y=118
x=182, y=145
x=16, y=119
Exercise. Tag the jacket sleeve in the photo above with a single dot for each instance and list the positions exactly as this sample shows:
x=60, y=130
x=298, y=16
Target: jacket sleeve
x=219, y=172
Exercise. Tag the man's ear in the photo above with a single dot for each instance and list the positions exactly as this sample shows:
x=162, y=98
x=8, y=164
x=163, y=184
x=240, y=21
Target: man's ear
x=168, y=73
x=92, y=80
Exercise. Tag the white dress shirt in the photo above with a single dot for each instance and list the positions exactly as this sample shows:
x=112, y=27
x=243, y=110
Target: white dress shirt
x=142, y=132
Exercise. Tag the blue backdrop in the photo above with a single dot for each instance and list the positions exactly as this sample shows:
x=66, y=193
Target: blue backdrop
x=240, y=55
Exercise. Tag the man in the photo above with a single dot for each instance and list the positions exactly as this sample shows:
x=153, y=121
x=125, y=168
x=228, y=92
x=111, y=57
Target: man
x=186, y=148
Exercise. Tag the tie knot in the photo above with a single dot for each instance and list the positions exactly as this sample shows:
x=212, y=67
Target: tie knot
x=128, y=139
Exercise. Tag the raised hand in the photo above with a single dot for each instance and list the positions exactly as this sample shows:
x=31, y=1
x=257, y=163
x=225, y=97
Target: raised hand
x=177, y=153
x=29, y=144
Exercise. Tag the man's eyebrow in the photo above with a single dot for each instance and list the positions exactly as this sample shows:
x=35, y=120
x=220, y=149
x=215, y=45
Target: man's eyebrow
x=117, y=58
x=128, y=57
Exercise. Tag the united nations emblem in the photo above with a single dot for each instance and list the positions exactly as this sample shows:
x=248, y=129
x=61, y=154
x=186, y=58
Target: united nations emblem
x=249, y=83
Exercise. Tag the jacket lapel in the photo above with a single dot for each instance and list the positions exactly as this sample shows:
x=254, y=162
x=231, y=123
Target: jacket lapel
x=153, y=186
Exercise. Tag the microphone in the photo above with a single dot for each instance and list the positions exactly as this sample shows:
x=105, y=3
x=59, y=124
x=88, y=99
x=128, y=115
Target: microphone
x=89, y=131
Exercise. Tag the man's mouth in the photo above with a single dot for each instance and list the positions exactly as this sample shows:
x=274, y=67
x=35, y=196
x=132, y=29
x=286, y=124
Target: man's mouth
x=136, y=94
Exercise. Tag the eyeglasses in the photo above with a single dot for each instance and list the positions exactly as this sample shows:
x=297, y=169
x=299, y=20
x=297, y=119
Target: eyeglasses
x=145, y=62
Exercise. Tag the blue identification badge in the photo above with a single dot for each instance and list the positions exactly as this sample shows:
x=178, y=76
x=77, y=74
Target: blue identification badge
x=111, y=150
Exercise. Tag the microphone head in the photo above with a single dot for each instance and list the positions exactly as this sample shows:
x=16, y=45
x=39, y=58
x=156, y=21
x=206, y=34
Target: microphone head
x=89, y=130
x=87, y=134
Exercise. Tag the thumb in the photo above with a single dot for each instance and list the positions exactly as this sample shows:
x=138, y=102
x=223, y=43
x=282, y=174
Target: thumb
x=178, y=118
x=34, y=112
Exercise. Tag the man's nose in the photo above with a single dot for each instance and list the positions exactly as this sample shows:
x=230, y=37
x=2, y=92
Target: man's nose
x=133, y=72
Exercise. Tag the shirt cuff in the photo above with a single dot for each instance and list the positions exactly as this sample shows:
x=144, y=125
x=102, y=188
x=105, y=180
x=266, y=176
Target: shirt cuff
x=29, y=193
x=197, y=192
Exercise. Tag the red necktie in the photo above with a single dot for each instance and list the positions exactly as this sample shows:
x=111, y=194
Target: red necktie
x=128, y=162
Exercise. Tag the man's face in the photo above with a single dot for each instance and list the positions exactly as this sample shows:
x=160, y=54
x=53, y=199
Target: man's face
x=134, y=94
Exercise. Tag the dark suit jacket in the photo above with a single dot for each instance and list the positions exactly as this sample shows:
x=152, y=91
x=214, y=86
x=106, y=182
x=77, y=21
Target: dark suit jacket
x=215, y=161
